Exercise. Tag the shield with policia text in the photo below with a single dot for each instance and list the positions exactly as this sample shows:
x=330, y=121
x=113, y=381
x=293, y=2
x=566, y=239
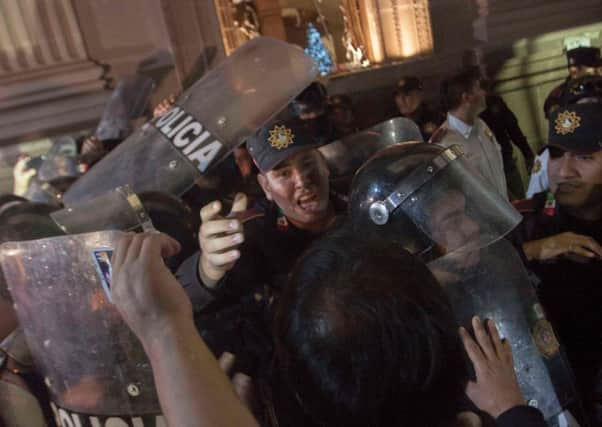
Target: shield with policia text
x=210, y=119
x=95, y=369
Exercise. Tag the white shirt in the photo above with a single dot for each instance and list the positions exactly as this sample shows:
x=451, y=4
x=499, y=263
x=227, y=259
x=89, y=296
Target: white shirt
x=539, y=176
x=480, y=149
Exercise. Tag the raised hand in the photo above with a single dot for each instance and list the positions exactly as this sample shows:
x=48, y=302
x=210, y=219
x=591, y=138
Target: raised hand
x=144, y=291
x=219, y=238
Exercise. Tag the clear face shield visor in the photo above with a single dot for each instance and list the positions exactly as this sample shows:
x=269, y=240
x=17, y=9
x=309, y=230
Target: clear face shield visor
x=449, y=202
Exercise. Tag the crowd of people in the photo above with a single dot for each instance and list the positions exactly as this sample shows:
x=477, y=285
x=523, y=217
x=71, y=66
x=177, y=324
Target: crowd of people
x=429, y=292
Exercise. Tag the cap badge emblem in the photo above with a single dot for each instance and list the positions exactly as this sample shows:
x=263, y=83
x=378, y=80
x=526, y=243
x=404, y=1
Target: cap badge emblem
x=567, y=122
x=281, y=137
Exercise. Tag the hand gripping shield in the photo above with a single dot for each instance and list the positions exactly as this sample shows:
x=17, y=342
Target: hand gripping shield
x=207, y=122
x=91, y=361
x=492, y=283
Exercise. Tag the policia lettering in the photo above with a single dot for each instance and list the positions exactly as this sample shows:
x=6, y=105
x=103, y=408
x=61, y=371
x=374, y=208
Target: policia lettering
x=66, y=418
x=189, y=137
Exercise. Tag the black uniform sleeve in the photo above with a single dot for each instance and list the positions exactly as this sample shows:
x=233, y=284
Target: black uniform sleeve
x=521, y=416
x=243, y=278
x=515, y=132
x=188, y=276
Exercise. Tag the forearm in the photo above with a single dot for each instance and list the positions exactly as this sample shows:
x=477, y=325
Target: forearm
x=208, y=276
x=192, y=388
x=531, y=250
x=188, y=276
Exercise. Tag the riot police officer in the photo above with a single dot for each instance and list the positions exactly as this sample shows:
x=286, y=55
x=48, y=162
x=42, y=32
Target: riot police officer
x=409, y=98
x=427, y=199
x=561, y=239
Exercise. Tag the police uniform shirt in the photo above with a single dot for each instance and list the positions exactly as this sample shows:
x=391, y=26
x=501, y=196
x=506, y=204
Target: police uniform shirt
x=480, y=148
x=236, y=315
x=570, y=289
x=539, y=175
x=270, y=249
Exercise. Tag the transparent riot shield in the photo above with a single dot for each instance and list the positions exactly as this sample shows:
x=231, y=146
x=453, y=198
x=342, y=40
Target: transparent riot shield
x=119, y=209
x=346, y=155
x=90, y=360
x=492, y=283
x=208, y=121
x=127, y=102
x=446, y=199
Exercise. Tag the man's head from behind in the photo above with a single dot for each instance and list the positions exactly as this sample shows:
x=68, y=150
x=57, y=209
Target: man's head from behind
x=463, y=92
x=365, y=336
x=575, y=165
x=292, y=173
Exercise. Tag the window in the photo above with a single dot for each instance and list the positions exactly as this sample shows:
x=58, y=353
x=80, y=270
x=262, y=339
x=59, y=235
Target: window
x=357, y=33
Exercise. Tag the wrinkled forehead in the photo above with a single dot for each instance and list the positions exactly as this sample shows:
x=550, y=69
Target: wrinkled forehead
x=299, y=158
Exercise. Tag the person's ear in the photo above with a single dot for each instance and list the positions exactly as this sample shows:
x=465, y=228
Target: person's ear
x=265, y=186
x=466, y=97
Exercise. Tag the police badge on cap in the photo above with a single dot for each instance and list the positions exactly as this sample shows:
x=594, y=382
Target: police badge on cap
x=278, y=140
x=577, y=128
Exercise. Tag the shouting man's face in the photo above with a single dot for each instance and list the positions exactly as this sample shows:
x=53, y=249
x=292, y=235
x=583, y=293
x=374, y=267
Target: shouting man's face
x=300, y=188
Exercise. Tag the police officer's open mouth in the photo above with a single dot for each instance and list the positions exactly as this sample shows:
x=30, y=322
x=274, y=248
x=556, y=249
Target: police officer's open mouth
x=307, y=201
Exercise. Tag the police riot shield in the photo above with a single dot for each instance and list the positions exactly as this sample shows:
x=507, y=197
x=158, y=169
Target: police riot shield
x=43, y=192
x=93, y=365
x=346, y=155
x=207, y=122
x=119, y=209
x=60, y=162
x=492, y=283
x=127, y=102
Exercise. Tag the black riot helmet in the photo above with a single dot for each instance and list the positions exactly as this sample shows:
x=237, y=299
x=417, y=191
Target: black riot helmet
x=428, y=199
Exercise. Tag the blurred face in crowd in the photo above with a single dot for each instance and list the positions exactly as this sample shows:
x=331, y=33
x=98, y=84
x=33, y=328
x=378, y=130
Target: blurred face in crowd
x=579, y=71
x=300, y=188
x=408, y=103
x=451, y=228
x=342, y=115
x=577, y=177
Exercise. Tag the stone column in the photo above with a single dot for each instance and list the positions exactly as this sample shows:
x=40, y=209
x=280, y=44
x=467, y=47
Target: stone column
x=270, y=16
